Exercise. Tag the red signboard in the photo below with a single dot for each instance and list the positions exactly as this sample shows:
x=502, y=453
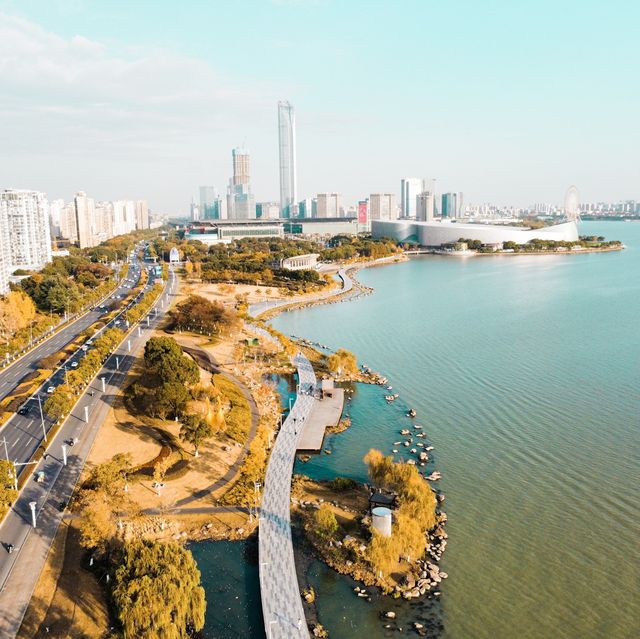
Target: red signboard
x=363, y=212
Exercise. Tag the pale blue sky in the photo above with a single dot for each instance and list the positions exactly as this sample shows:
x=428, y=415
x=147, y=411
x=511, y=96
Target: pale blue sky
x=509, y=101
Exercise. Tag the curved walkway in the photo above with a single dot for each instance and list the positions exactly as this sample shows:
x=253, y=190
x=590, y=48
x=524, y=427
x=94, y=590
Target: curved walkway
x=281, y=603
x=205, y=361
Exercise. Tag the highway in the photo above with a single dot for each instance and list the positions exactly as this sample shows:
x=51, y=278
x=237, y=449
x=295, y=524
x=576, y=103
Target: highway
x=23, y=433
x=19, y=570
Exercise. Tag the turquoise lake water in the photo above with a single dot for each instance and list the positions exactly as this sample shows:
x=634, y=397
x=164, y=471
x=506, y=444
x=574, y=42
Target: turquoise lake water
x=525, y=372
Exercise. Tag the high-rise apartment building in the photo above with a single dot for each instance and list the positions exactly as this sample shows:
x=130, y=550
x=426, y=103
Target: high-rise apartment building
x=287, y=154
x=85, y=216
x=55, y=213
x=410, y=188
x=68, y=222
x=142, y=215
x=27, y=227
x=382, y=206
x=425, y=210
x=241, y=204
x=5, y=250
x=102, y=226
x=329, y=204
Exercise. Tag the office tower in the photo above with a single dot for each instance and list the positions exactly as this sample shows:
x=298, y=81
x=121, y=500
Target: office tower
x=459, y=205
x=449, y=206
x=27, y=226
x=329, y=204
x=85, y=215
x=267, y=210
x=363, y=211
x=241, y=204
x=410, y=188
x=382, y=206
x=68, y=223
x=425, y=209
x=306, y=207
x=5, y=251
x=142, y=215
x=210, y=203
x=287, y=153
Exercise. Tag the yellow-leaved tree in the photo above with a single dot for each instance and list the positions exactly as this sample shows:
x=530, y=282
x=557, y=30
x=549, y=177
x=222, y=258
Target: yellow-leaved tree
x=16, y=311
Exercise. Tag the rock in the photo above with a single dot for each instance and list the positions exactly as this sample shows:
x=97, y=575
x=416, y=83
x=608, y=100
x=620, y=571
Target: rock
x=390, y=614
x=417, y=625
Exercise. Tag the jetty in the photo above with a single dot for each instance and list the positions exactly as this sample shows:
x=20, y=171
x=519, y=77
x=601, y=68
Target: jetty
x=326, y=411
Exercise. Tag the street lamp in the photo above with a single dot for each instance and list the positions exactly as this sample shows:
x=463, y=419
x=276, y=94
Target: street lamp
x=44, y=430
x=32, y=505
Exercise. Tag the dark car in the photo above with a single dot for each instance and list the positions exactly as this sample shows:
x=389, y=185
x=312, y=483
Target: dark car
x=23, y=410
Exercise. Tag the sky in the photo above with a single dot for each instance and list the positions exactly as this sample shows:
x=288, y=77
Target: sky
x=509, y=101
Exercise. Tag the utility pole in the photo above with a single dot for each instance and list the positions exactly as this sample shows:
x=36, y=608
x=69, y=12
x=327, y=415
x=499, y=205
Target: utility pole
x=64, y=454
x=32, y=505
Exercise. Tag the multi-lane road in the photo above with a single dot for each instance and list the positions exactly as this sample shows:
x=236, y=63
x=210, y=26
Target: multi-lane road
x=23, y=433
x=19, y=570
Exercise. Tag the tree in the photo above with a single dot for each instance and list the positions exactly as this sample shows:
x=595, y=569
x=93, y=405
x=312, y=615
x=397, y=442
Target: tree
x=111, y=476
x=7, y=493
x=326, y=522
x=160, y=469
x=195, y=430
x=170, y=399
x=163, y=357
x=16, y=312
x=199, y=314
x=157, y=592
x=188, y=267
x=59, y=403
x=342, y=361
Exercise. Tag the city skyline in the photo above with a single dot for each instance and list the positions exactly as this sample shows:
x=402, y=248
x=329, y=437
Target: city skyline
x=111, y=100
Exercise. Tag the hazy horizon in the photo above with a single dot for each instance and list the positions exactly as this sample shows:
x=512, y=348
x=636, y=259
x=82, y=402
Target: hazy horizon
x=508, y=102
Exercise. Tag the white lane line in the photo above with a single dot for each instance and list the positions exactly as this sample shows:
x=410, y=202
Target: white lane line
x=14, y=443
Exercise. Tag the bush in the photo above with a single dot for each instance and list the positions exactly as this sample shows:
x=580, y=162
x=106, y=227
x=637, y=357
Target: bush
x=341, y=484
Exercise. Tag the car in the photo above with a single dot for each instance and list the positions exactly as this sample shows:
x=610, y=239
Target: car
x=85, y=347
x=117, y=322
x=23, y=410
x=51, y=389
x=74, y=364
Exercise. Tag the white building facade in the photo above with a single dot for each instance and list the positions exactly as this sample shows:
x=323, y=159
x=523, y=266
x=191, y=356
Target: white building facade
x=410, y=188
x=27, y=228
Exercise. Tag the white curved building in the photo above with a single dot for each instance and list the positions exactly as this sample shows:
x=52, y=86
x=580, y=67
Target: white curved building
x=437, y=233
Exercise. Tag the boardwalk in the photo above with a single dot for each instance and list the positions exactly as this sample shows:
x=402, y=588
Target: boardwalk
x=281, y=603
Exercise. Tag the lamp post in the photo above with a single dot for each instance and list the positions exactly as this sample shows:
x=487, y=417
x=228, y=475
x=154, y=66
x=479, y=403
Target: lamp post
x=32, y=505
x=44, y=430
x=64, y=454
x=6, y=450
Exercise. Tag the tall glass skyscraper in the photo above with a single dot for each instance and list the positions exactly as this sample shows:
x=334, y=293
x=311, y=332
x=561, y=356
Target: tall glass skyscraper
x=287, y=148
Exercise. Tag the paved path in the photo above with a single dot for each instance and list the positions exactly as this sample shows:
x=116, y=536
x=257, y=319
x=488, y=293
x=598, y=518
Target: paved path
x=281, y=603
x=260, y=307
x=20, y=570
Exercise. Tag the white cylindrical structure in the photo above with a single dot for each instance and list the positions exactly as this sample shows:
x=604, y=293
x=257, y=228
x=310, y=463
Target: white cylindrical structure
x=381, y=520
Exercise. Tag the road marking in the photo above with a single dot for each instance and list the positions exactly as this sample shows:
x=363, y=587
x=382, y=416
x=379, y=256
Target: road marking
x=14, y=443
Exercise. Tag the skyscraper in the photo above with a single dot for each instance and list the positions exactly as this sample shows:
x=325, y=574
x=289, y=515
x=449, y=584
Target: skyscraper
x=210, y=203
x=5, y=250
x=142, y=215
x=382, y=206
x=27, y=227
x=241, y=204
x=425, y=207
x=85, y=214
x=287, y=151
x=449, y=205
x=410, y=188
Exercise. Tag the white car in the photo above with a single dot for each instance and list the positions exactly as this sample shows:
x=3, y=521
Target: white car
x=117, y=322
x=74, y=364
x=85, y=347
x=51, y=389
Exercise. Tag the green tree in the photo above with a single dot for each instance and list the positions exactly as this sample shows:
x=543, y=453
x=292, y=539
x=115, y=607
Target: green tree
x=164, y=358
x=7, y=493
x=195, y=430
x=157, y=592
